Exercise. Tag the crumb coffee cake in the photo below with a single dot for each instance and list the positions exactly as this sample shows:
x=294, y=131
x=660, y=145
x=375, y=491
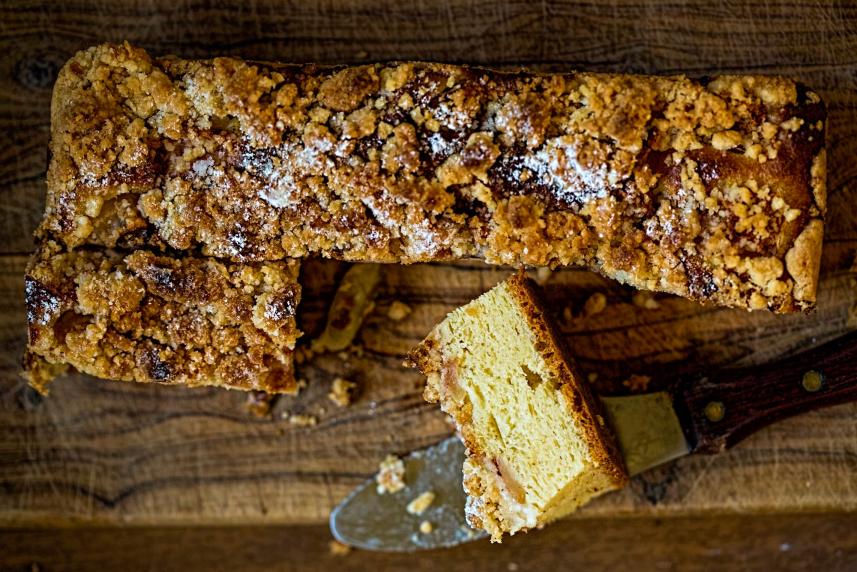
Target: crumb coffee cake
x=713, y=189
x=144, y=317
x=536, y=446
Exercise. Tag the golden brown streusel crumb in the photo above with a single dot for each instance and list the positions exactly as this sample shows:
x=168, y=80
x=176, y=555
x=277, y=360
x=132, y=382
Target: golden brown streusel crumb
x=595, y=304
x=637, y=383
x=419, y=504
x=391, y=475
x=341, y=391
x=666, y=183
x=337, y=548
x=398, y=311
x=645, y=300
x=145, y=317
x=426, y=527
x=301, y=420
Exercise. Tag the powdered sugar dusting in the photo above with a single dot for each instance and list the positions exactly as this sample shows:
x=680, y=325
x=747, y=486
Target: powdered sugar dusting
x=557, y=165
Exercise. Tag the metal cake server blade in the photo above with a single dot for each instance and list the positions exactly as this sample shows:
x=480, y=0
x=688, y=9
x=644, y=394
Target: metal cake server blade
x=373, y=521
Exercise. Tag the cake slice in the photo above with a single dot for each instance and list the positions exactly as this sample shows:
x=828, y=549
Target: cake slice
x=537, y=447
x=150, y=318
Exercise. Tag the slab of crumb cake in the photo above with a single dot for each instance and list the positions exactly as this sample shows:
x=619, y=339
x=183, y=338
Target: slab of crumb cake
x=139, y=316
x=537, y=446
x=712, y=189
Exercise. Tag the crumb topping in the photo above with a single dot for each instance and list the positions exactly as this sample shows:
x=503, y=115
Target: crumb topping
x=391, y=475
x=144, y=317
x=665, y=183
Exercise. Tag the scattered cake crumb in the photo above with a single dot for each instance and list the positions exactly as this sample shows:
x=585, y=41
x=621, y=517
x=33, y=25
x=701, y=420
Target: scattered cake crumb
x=341, y=391
x=421, y=503
x=337, y=548
x=398, y=311
x=391, y=475
x=512, y=567
x=542, y=275
x=259, y=403
x=302, y=420
x=637, y=383
x=426, y=527
x=567, y=314
x=591, y=377
x=645, y=300
x=595, y=304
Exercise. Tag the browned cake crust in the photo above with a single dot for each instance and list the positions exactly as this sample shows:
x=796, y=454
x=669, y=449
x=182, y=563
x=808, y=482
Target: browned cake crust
x=712, y=189
x=149, y=318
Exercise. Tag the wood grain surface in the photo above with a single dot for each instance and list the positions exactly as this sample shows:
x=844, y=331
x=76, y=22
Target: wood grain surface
x=103, y=453
x=746, y=543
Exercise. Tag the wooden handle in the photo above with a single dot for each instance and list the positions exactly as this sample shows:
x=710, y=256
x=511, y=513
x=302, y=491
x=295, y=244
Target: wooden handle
x=720, y=410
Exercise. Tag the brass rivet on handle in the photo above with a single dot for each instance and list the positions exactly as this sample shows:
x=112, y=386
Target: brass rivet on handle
x=812, y=381
x=715, y=411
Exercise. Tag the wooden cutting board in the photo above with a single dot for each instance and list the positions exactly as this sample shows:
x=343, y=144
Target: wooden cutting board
x=105, y=452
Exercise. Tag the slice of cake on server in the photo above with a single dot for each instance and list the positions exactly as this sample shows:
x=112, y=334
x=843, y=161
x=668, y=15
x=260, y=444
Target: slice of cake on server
x=537, y=445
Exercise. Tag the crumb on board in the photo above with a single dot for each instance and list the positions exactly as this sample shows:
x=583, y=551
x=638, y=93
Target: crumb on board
x=391, y=475
x=341, y=391
x=567, y=314
x=645, y=300
x=420, y=503
x=591, y=377
x=337, y=548
x=512, y=567
x=302, y=420
x=259, y=403
x=595, y=304
x=637, y=383
x=426, y=527
x=541, y=275
x=398, y=311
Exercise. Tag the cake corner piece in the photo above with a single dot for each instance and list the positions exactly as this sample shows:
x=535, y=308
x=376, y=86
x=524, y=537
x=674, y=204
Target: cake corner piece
x=537, y=446
x=145, y=317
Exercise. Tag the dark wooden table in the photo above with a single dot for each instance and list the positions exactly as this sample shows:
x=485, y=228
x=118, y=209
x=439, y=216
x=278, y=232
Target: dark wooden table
x=104, y=475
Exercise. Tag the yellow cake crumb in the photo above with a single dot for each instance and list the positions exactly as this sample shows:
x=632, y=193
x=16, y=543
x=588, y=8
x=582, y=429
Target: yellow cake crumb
x=595, y=304
x=421, y=503
x=341, y=391
x=645, y=300
x=302, y=420
x=337, y=548
x=398, y=311
x=426, y=527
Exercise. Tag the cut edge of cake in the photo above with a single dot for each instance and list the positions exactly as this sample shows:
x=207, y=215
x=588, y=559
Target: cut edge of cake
x=497, y=501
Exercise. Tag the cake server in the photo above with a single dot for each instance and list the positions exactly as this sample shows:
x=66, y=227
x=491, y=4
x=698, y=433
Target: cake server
x=706, y=416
